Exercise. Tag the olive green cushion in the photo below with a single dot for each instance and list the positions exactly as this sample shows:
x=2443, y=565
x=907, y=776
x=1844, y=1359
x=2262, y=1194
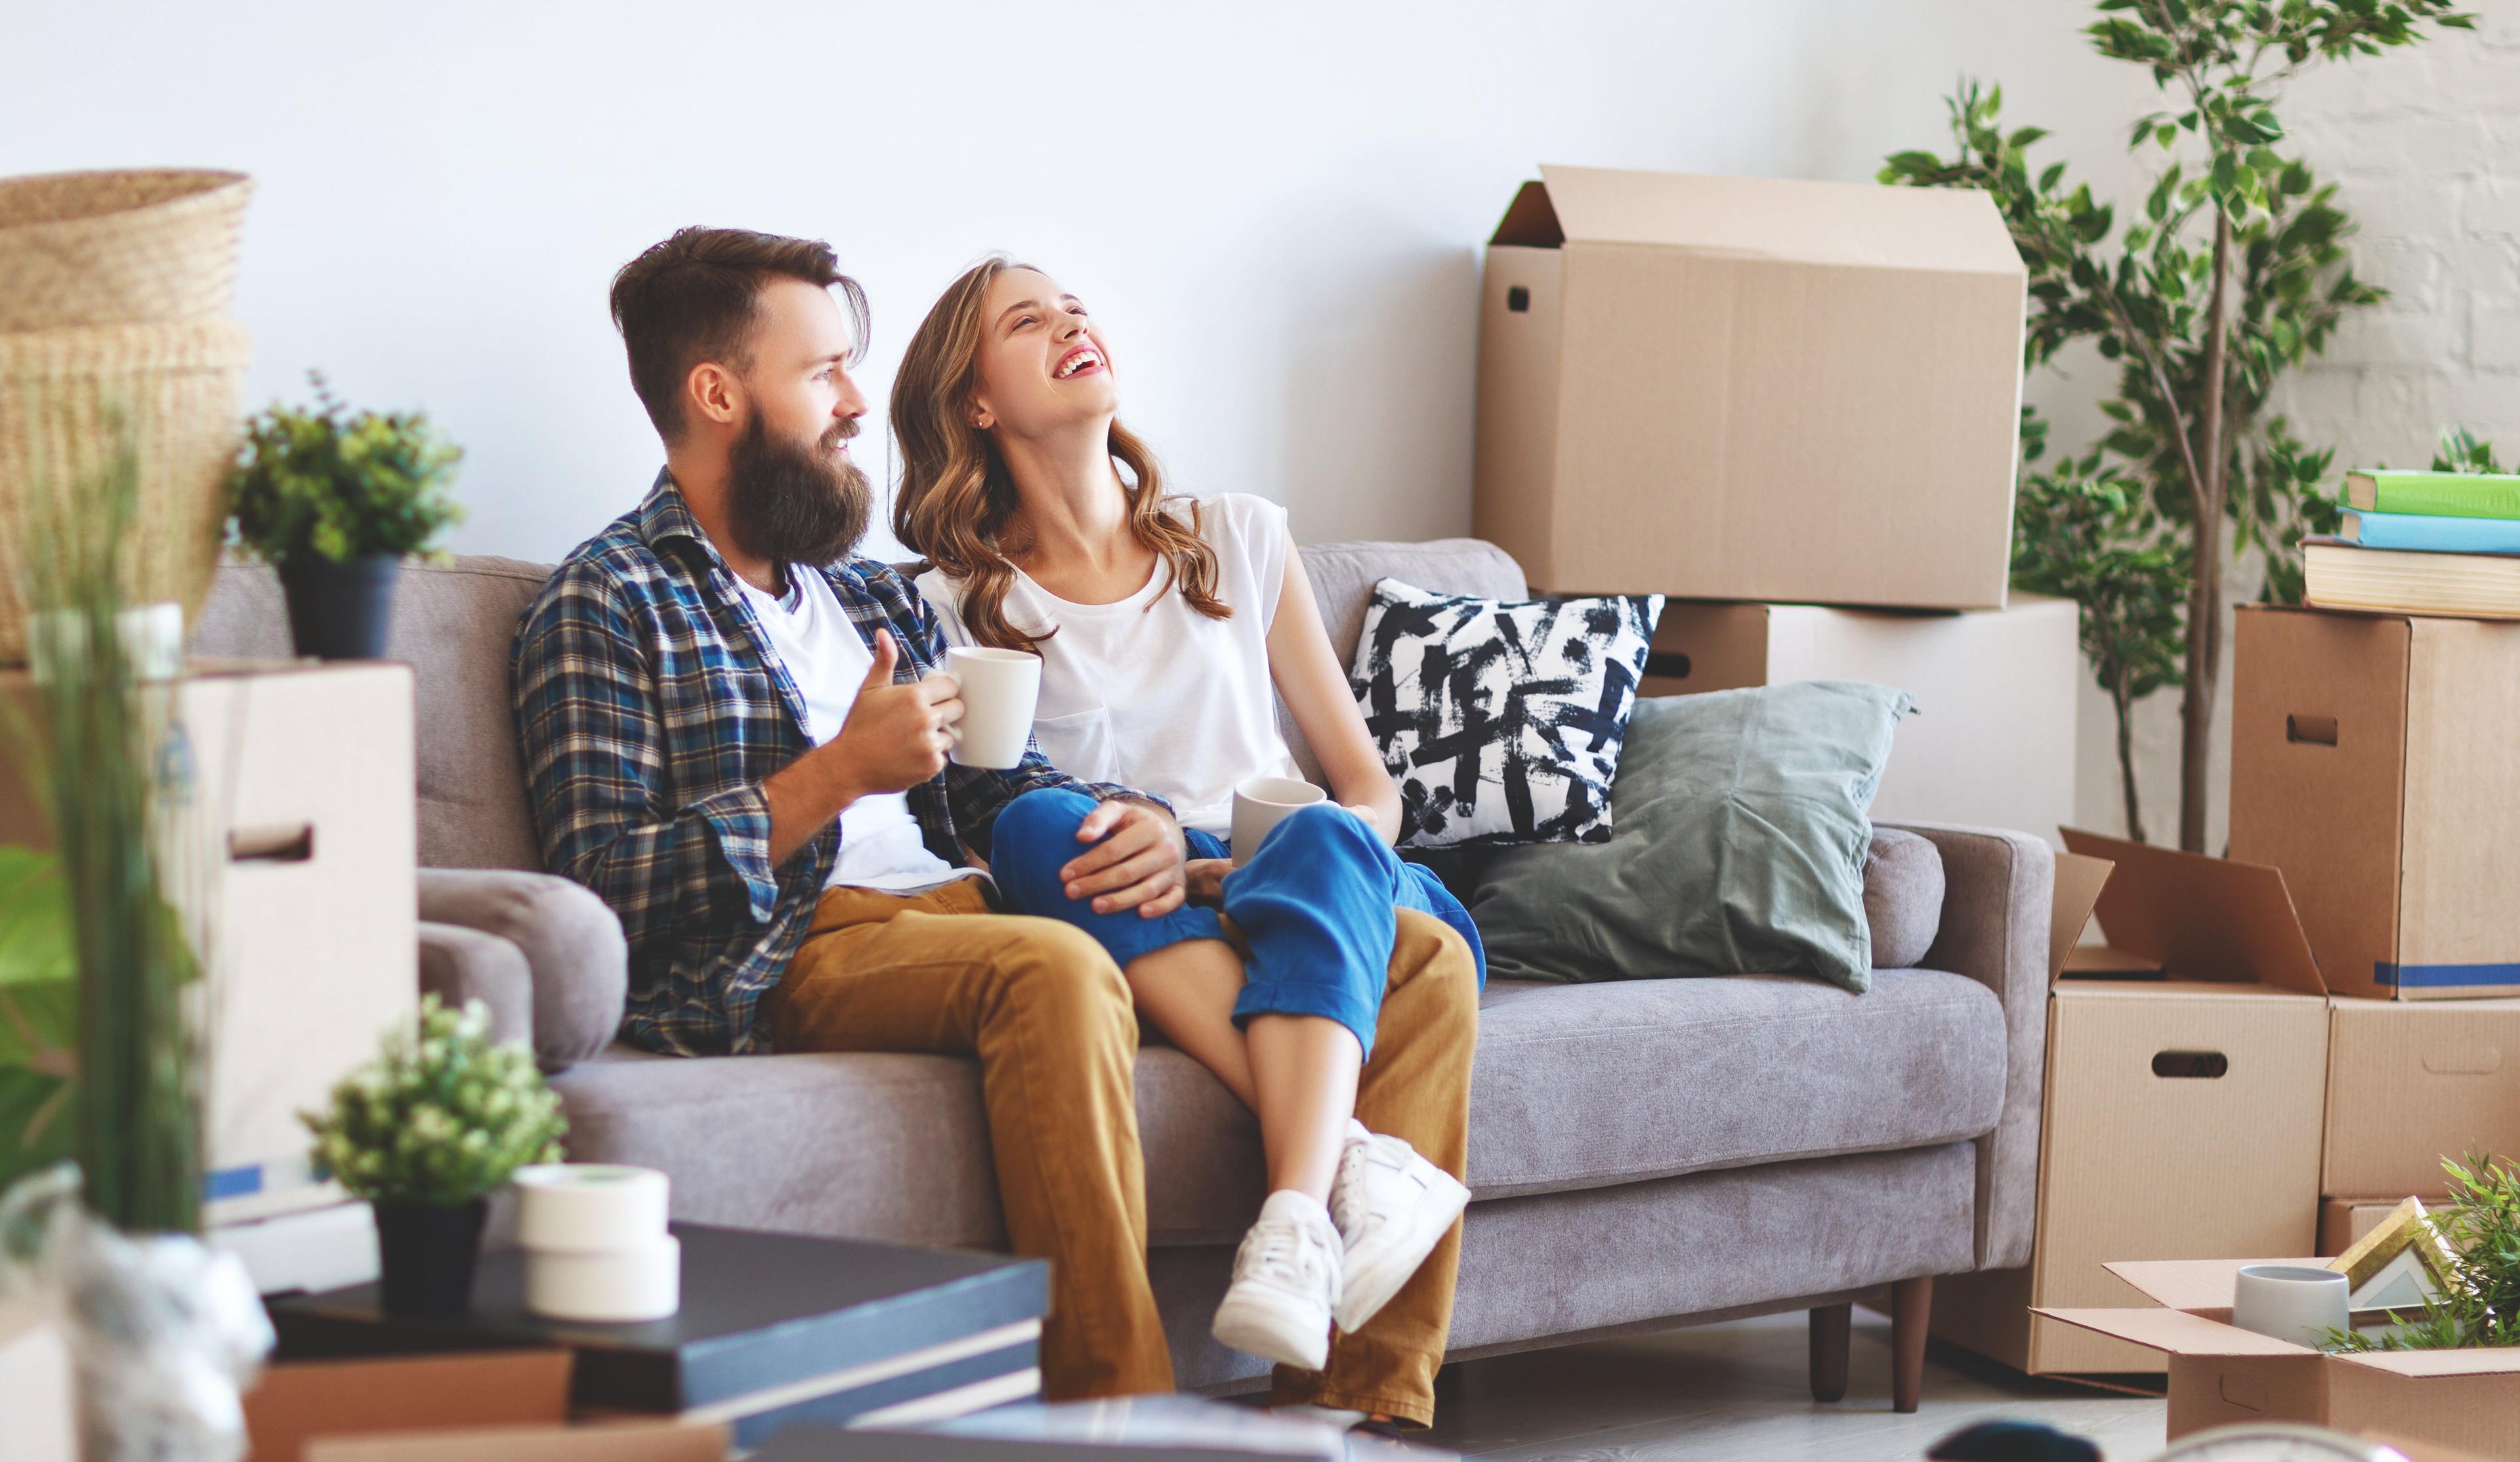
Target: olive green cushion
x=1741, y=825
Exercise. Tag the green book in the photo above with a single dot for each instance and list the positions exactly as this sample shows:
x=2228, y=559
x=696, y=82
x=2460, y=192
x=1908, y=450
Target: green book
x=2440, y=494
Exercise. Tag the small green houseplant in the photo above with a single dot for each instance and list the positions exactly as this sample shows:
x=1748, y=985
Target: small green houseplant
x=423, y=1132
x=2480, y=1305
x=335, y=502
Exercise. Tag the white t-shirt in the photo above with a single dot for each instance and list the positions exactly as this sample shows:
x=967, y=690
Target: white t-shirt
x=1151, y=693
x=881, y=846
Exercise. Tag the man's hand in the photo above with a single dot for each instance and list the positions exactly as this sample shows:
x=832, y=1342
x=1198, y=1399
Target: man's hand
x=896, y=736
x=1204, y=879
x=1134, y=862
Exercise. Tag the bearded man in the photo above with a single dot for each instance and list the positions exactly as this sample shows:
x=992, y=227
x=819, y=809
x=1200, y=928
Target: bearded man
x=730, y=735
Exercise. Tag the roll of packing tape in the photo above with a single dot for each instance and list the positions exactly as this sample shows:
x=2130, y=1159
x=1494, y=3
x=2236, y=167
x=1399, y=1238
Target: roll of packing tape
x=645, y=1283
x=589, y=1207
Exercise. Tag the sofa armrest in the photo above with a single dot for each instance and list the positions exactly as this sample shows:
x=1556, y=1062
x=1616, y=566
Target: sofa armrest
x=461, y=965
x=579, y=964
x=1997, y=886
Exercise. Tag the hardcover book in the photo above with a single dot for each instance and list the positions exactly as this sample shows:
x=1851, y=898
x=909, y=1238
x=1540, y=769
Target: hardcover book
x=2341, y=575
x=2441, y=494
x=2430, y=533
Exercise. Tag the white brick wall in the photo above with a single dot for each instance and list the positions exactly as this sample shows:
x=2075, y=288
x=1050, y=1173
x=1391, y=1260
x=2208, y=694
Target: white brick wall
x=2424, y=146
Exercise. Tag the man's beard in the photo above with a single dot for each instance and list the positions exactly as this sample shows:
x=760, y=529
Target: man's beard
x=795, y=503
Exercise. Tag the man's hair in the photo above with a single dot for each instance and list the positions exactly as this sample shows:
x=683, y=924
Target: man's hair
x=692, y=299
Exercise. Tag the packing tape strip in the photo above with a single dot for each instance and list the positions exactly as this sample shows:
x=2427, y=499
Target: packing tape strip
x=589, y=1207
x=645, y=1283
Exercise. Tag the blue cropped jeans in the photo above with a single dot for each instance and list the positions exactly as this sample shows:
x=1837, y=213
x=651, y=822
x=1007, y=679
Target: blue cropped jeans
x=1316, y=906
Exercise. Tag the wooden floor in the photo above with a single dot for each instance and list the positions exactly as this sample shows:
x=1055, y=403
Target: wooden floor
x=1740, y=1391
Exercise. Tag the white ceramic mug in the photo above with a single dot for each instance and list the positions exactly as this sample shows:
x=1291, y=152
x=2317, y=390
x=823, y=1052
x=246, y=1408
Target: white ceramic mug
x=2289, y=1302
x=1262, y=803
x=999, y=689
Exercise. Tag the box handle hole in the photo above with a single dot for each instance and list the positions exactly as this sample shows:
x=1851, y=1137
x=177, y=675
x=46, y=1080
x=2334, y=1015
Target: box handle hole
x=1517, y=299
x=1670, y=664
x=2190, y=1065
x=285, y=843
x=2314, y=730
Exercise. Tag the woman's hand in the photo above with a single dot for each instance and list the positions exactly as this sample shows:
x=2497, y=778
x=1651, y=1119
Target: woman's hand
x=1204, y=879
x=1134, y=862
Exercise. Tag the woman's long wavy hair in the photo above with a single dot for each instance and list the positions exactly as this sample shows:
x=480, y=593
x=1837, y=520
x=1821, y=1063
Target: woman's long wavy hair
x=957, y=501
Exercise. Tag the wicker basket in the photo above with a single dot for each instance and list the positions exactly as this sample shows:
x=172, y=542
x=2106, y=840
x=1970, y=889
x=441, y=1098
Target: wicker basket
x=119, y=248
x=61, y=392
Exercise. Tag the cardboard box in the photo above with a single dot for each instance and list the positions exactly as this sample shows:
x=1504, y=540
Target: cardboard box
x=303, y=829
x=2343, y=1221
x=1747, y=388
x=2408, y=1084
x=2187, y=1067
x=2374, y=761
x=297, y=1401
x=2220, y=1375
x=1992, y=742
x=35, y=1388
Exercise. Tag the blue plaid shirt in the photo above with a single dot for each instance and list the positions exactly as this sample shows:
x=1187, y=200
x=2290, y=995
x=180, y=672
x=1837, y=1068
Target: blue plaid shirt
x=650, y=708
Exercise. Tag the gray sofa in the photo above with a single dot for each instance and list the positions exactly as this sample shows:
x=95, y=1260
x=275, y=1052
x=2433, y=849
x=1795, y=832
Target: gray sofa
x=1642, y=1154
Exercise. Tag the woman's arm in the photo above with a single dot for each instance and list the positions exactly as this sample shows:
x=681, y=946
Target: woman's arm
x=1315, y=688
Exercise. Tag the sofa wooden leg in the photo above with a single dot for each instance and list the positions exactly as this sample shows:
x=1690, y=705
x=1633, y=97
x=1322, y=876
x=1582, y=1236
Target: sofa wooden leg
x=1911, y=1309
x=1830, y=1324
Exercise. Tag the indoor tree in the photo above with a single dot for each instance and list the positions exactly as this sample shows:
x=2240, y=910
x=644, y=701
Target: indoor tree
x=2234, y=273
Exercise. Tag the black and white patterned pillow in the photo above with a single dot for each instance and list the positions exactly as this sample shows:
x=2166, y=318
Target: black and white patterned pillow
x=1500, y=720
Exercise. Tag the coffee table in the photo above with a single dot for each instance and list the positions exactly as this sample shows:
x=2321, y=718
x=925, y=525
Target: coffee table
x=774, y=1329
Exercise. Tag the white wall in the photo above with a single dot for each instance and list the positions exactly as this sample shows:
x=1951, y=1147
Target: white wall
x=1276, y=209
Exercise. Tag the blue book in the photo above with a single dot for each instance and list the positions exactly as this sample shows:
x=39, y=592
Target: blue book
x=2426, y=534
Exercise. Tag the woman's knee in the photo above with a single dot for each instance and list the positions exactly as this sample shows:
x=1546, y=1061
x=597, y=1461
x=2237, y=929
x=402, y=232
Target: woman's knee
x=1328, y=825
x=1043, y=815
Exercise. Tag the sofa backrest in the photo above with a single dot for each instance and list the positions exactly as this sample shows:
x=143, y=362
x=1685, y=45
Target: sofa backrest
x=453, y=623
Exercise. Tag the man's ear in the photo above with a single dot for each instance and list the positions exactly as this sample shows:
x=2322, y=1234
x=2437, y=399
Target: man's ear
x=713, y=393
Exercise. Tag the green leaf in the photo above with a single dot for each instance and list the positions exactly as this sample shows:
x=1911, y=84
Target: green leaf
x=36, y=943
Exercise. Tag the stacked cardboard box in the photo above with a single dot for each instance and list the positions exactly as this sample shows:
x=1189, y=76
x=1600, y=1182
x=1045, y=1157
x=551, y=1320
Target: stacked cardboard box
x=2372, y=761
x=1763, y=397
x=2186, y=1064
x=300, y=804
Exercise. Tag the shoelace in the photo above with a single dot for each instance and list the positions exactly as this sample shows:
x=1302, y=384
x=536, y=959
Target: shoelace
x=1349, y=1194
x=1282, y=1249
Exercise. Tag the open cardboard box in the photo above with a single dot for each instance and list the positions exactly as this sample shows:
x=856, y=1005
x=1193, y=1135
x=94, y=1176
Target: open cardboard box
x=2186, y=1077
x=2221, y=1374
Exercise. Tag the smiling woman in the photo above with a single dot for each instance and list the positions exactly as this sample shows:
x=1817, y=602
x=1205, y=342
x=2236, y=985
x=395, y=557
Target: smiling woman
x=1004, y=310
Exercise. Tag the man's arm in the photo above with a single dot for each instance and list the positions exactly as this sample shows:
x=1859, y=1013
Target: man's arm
x=894, y=738
x=595, y=764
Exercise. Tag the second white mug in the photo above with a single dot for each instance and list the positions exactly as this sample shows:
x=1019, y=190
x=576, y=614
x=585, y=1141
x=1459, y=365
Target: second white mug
x=1261, y=803
x=999, y=689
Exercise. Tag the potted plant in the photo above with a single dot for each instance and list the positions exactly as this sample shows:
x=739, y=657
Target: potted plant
x=424, y=1132
x=335, y=502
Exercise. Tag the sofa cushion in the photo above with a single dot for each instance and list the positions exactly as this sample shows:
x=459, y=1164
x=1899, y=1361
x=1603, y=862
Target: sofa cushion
x=1903, y=896
x=1590, y=1085
x=1343, y=575
x=1741, y=846
x=1576, y=1087
x=1500, y=719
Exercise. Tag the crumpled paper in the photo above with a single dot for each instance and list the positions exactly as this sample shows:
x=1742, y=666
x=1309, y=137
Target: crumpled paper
x=165, y=1332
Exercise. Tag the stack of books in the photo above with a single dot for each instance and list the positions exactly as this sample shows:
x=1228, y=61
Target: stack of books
x=2423, y=543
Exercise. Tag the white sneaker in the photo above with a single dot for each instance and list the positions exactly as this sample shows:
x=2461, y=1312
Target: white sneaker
x=1392, y=1207
x=1286, y=1281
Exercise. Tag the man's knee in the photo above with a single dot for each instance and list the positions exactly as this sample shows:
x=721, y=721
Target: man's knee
x=1439, y=968
x=1049, y=966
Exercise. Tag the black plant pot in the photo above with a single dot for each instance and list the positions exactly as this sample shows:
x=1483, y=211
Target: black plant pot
x=340, y=611
x=426, y=1252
